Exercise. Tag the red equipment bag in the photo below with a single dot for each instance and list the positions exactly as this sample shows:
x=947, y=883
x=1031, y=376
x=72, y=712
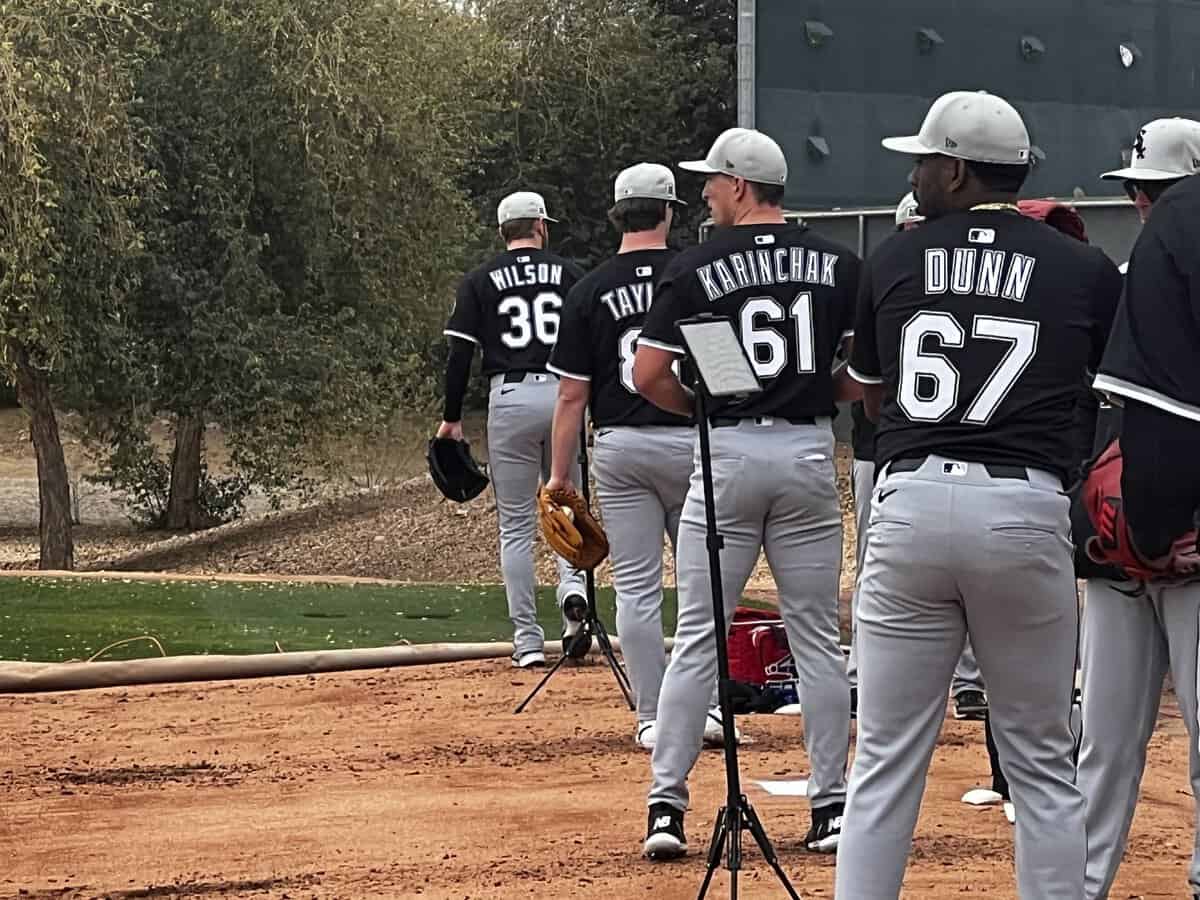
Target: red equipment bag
x=760, y=660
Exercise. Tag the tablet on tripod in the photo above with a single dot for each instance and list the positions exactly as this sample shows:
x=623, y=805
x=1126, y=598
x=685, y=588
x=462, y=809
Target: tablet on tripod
x=719, y=357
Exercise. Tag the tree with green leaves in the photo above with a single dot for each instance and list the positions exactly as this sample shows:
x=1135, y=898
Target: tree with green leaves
x=592, y=86
x=310, y=153
x=72, y=178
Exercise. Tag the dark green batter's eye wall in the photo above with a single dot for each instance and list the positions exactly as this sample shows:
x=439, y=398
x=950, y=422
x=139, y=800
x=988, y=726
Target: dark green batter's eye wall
x=873, y=74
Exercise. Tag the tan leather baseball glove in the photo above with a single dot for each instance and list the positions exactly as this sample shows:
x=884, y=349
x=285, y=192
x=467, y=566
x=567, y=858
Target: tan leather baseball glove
x=569, y=527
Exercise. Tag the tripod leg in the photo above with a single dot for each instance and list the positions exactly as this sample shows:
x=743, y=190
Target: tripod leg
x=618, y=670
x=733, y=861
x=764, y=845
x=716, y=849
x=541, y=684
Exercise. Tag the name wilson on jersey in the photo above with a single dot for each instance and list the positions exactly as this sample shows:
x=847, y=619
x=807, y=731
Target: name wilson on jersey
x=755, y=268
x=985, y=273
x=508, y=277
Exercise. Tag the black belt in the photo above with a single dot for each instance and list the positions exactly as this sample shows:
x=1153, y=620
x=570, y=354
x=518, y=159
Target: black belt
x=727, y=422
x=912, y=463
x=517, y=376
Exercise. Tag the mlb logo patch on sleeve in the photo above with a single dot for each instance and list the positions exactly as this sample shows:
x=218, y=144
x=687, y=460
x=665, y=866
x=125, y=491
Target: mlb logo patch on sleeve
x=645, y=271
x=982, y=235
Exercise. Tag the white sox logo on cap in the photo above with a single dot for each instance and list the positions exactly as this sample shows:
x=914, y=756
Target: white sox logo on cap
x=1164, y=150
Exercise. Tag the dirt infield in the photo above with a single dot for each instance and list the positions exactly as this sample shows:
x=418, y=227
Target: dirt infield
x=421, y=783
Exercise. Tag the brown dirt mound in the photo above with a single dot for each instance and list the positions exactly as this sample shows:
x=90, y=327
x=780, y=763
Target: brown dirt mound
x=421, y=783
x=408, y=532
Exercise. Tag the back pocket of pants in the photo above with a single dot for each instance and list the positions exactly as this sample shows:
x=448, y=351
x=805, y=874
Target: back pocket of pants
x=1025, y=531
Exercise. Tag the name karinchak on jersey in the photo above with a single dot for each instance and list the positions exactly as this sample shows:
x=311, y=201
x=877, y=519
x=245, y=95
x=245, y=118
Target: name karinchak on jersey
x=508, y=277
x=755, y=268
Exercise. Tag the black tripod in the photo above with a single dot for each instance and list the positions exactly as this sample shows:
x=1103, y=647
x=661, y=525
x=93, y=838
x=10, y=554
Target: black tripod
x=591, y=626
x=737, y=813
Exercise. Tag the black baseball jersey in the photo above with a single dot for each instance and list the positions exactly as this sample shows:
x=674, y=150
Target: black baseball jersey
x=862, y=433
x=981, y=326
x=597, y=338
x=790, y=294
x=1153, y=354
x=510, y=307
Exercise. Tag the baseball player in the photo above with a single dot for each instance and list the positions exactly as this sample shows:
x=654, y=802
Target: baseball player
x=970, y=700
x=643, y=455
x=790, y=294
x=973, y=336
x=1134, y=632
x=510, y=308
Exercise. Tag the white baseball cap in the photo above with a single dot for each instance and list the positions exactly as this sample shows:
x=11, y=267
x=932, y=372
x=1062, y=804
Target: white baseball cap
x=1166, y=149
x=522, y=205
x=649, y=181
x=906, y=211
x=745, y=153
x=971, y=125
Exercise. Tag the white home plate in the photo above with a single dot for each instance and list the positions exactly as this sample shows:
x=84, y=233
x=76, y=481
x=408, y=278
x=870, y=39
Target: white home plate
x=982, y=797
x=789, y=709
x=797, y=788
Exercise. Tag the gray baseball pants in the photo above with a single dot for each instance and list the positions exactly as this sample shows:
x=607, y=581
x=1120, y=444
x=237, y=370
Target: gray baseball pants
x=954, y=551
x=642, y=477
x=1132, y=636
x=966, y=673
x=775, y=490
x=518, y=434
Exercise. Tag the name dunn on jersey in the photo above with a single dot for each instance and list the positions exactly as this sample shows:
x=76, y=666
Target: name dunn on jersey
x=989, y=281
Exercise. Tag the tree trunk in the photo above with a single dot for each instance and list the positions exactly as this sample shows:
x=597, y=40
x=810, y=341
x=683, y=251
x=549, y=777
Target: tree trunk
x=54, y=485
x=183, y=504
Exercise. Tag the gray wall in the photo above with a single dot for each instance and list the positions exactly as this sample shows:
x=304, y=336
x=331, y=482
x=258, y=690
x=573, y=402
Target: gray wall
x=869, y=80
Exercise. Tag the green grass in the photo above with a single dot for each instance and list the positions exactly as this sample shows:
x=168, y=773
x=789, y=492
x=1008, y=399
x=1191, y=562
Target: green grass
x=52, y=619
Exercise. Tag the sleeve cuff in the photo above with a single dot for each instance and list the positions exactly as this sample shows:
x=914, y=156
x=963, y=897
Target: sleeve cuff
x=862, y=378
x=659, y=345
x=563, y=373
x=460, y=334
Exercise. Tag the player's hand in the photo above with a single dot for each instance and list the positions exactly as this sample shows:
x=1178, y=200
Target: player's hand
x=558, y=484
x=452, y=430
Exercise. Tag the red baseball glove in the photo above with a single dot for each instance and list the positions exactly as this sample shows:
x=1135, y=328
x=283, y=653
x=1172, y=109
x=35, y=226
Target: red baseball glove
x=1112, y=544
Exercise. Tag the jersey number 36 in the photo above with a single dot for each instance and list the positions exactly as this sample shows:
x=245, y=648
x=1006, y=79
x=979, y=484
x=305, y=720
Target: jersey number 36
x=929, y=382
x=529, y=320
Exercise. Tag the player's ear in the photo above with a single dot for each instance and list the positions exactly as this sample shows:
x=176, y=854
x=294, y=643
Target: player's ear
x=959, y=175
x=740, y=187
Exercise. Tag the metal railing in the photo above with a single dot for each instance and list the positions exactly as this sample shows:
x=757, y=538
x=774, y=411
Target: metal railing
x=867, y=219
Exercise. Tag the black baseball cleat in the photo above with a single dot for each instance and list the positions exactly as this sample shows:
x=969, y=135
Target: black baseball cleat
x=576, y=638
x=826, y=829
x=970, y=705
x=664, y=833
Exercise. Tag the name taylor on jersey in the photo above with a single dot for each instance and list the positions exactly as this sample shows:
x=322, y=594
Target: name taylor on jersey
x=630, y=299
